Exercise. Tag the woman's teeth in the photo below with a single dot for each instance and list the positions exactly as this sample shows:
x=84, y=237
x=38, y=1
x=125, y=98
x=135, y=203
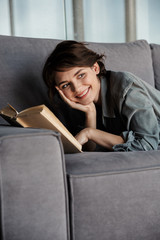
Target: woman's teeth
x=84, y=93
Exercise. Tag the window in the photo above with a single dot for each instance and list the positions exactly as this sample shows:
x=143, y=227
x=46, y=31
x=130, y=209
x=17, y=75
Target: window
x=38, y=18
x=84, y=20
x=148, y=19
x=104, y=20
x=4, y=18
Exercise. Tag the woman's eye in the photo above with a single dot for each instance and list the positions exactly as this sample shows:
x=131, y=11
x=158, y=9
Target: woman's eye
x=65, y=85
x=82, y=75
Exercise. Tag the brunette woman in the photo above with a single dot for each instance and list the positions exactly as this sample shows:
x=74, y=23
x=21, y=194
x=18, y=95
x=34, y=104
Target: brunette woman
x=121, y=111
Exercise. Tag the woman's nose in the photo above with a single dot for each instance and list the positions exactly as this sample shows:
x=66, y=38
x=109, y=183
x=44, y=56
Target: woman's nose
x=75, y=86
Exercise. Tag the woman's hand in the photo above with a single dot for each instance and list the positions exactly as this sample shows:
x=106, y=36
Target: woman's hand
x=84, y=108
x=89, y=110
x=83, y=138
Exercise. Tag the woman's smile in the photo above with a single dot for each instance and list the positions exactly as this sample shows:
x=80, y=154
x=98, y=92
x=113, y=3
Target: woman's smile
x=84, y=93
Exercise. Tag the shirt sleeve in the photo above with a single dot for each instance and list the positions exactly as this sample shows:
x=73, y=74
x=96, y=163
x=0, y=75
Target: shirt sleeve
x=142, y=129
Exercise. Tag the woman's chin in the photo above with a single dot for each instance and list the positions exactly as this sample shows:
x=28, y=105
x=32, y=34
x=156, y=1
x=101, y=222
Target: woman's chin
x=86, y=102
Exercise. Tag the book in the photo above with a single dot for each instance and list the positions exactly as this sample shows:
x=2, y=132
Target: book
x=41, y=117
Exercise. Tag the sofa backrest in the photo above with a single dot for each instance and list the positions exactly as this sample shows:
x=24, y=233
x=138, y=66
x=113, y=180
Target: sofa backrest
x=22, y=60
x=134, y=57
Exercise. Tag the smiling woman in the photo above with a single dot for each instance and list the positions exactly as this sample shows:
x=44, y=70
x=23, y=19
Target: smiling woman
x=120, y=109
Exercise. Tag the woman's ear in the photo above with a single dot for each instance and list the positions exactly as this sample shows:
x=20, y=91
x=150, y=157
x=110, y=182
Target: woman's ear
x=96, y=68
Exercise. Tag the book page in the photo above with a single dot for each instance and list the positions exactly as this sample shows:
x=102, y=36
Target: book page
x=9, y=111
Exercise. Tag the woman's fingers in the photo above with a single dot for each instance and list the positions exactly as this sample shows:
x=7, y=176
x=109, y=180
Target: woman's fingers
x=64, y=98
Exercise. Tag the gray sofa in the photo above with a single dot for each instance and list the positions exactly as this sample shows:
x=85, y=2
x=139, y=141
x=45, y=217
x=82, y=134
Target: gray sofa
x=48, y=195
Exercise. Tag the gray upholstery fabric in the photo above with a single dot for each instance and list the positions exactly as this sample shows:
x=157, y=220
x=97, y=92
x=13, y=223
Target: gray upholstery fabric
x=33, y=191
x=114, y=195
x=134, y=57
x=156, y=63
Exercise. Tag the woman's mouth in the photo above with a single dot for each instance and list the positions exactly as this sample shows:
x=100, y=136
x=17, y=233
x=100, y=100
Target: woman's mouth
x=83, y=94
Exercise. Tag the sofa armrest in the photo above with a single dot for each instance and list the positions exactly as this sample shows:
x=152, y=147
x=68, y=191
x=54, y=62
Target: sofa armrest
x=33, y=187
x=114, y=195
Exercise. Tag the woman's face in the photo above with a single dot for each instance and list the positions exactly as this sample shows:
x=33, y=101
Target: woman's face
x=80, y=84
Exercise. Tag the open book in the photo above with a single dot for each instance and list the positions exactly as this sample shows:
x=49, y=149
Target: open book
x=41, y=117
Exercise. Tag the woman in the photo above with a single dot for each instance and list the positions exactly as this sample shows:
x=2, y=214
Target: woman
x=122, y=112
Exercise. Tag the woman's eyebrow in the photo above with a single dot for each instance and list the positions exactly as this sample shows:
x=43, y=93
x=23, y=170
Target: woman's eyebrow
x=78, y=72
x=62, y=82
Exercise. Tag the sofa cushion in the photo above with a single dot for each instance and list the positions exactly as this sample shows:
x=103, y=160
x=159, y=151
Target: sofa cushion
x=114, y=195
x=134, y=57
x=156, y=63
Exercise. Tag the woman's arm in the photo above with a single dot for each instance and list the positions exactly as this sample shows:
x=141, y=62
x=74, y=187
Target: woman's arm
x=99, y=137
x=90, y=117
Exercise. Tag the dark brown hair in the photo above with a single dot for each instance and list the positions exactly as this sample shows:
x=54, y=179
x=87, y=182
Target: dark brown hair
x=69, y=54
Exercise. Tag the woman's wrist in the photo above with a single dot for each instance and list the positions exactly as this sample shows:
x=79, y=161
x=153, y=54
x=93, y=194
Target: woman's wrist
x=90, y=121
x=91, y=117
